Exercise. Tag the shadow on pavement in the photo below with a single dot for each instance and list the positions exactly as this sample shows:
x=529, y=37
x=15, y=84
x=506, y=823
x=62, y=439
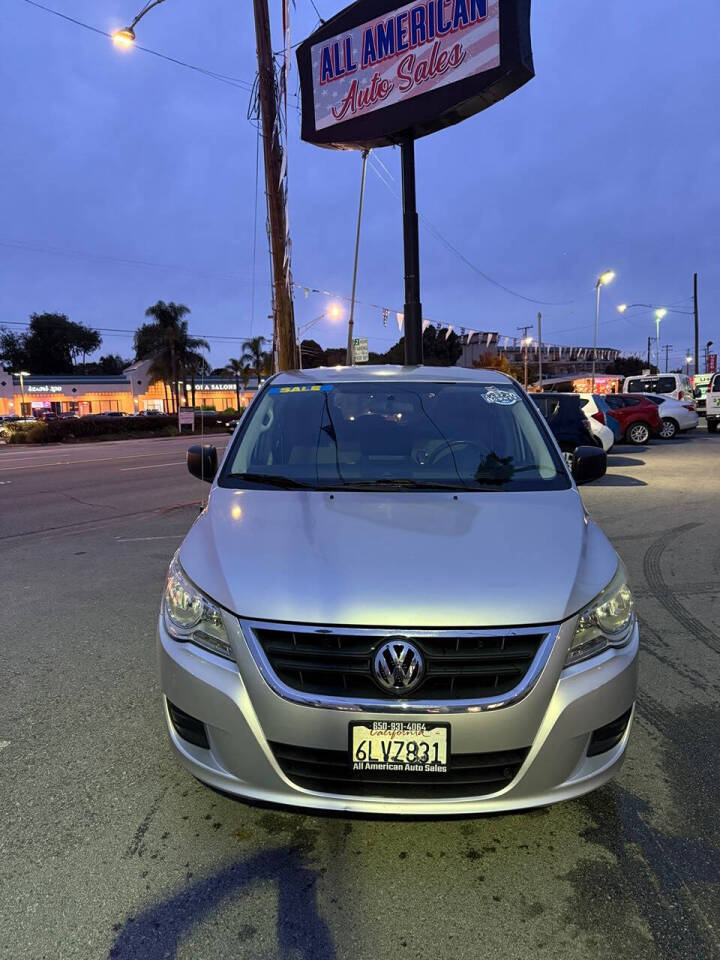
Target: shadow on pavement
x=302, y=934
x=619, y=480
x=615, y=460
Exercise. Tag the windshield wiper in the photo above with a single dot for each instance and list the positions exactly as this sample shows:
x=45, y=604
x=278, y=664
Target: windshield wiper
x=272, y=479
x=403, y=483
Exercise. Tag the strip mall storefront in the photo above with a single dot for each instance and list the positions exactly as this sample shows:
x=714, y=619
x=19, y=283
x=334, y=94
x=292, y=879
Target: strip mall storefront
x=129, y=393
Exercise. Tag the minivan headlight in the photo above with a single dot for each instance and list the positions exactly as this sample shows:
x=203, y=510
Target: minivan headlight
x=606, y=622
x=191, y=617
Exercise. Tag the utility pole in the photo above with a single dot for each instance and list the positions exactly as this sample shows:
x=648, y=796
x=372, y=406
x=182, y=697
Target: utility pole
x=648, y=358
x=525, y=340
x=667, y=347
x=273, y=156
x=697, y=324
x=349, y=359
x=540, y=349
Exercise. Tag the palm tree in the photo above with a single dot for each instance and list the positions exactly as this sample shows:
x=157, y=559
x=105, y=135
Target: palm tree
x=193, y=362
x=239, y=369
x=254, y=354
x=166, y=341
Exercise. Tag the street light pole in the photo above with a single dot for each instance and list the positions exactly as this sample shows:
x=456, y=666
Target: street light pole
x=349, y=358
x=659, y=314
x=525, y=341
x=540, y=375
x=22, y=374
x=601, y=281
x=697, y=320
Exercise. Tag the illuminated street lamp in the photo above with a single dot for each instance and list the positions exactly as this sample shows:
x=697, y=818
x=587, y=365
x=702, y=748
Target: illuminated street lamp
x=125, y=38
x=333, y=312
x=688, y=361
x=602, y=281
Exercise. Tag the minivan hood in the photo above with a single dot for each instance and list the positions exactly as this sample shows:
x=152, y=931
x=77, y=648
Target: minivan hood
x=399, y=559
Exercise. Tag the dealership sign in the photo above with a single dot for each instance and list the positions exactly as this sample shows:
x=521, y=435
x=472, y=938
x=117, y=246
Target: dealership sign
x=378, y=71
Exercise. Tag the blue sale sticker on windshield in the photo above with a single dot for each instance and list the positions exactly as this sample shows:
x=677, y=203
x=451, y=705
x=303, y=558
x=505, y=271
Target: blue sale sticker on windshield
x=497, y=395
x=303, y=388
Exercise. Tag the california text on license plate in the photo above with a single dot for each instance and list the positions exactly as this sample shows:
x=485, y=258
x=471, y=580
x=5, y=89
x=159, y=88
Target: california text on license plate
x=400, y=746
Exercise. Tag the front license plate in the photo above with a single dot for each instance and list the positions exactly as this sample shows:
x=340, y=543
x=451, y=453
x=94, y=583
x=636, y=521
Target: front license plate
x=399, y=746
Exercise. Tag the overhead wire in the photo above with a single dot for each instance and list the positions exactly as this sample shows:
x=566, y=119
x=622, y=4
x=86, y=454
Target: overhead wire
x=212, y=74
x=431, y=228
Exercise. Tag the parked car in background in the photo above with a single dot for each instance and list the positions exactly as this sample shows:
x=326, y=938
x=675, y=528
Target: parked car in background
x=11, y=422
x=46, y=416
x=595, y=407
x=701, y=382
x=713, y=404
x=565, y=417
x=676, y=416
x=675, y=385
x=639, y=419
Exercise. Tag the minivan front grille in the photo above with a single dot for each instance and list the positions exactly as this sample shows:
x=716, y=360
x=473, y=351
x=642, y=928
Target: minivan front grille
x=329, y=771
x=457, y=667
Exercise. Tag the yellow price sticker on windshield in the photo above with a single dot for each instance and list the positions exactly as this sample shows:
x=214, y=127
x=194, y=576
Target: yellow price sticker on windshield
x=302, y=388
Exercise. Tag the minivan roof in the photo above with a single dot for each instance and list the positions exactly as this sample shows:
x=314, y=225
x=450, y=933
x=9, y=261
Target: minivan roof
x=363, y=374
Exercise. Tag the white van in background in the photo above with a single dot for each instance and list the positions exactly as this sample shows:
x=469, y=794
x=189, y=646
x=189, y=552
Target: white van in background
x=675, y=385
x=712, y=404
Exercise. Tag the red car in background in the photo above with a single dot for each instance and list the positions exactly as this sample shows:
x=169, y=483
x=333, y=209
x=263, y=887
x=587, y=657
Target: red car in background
x=638, y=417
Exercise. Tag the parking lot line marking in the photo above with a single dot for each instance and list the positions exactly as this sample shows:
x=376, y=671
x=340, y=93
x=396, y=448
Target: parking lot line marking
x=64, y=463
x=170, y=536
x=153, y=466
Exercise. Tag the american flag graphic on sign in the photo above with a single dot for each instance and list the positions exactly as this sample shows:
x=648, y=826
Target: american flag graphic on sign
x=411, y=51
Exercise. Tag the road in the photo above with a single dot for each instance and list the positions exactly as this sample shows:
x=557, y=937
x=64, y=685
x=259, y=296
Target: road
x=108, y=849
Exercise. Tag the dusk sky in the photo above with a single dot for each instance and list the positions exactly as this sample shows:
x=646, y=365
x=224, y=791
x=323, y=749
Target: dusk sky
x=127, y=179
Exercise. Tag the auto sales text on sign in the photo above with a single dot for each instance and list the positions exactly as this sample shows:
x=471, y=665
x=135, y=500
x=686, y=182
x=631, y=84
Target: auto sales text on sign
x=415, y=49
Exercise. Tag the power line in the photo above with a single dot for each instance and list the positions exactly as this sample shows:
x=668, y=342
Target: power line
x=439, y=236
x=124, y=331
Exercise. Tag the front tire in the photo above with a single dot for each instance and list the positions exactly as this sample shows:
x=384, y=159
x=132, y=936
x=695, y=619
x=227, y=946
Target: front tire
x=638, y=434
x=712, y=426
x=669, y=429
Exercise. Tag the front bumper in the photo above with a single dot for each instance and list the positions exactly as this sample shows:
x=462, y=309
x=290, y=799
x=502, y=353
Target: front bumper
x=243, y=715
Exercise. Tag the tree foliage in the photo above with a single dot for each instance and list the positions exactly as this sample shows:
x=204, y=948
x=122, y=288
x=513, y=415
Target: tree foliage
x=51, y=344
x=630, y=366
x=255, y=355
x=176, y=356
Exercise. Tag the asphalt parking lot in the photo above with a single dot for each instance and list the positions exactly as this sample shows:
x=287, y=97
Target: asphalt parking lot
x=108, y=849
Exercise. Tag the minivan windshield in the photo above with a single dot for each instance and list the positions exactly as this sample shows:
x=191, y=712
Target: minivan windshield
x=651, y=385
x=401, y=435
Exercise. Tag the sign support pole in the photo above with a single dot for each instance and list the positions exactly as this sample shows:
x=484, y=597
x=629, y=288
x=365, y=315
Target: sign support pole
x=349, y=359
x=413, y=307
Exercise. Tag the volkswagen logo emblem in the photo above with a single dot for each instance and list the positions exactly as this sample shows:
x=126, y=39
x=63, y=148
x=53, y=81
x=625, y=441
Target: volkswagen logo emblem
x=398, y=666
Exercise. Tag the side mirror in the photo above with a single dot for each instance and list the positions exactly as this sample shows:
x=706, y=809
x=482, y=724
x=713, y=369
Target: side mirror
x=202, y=461
x=589, y=464
x=697, y=393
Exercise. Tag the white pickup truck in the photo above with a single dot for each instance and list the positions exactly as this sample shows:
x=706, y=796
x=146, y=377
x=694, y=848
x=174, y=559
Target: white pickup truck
x=712, y=404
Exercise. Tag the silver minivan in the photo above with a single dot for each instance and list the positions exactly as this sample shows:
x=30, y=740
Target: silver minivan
x=395, y=602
